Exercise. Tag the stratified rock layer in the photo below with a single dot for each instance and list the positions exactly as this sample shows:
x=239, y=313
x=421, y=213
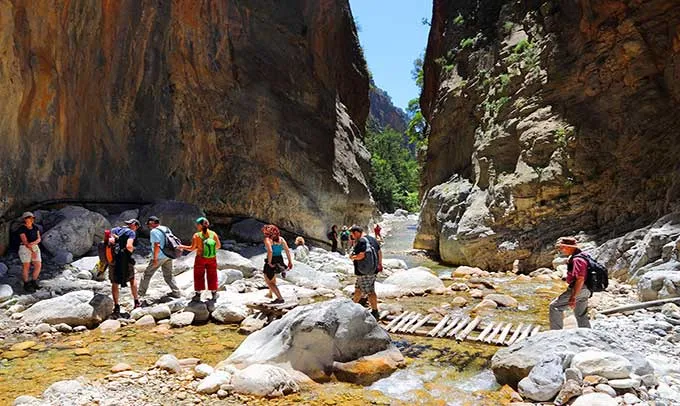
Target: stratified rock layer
x=546, y=119
x=244, y=108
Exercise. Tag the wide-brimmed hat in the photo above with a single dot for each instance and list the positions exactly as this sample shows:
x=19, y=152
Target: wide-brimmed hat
x=27, y=214
x=344, y=228
x=567, y=242
x=133, y=221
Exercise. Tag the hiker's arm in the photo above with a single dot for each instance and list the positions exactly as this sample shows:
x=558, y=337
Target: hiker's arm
x=37, y=241
x=578, y=285
x=218, y=244
x=129, y=245
x=358, y=257
x=380, y=261
x=290, y=258
x=268, y=245
x=191, y=247
x=156, y=250
x=24, y=240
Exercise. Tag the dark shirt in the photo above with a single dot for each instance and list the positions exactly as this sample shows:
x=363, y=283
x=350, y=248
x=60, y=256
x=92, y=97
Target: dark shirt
x=31, y=233
x=124, y=234
x=360, y=246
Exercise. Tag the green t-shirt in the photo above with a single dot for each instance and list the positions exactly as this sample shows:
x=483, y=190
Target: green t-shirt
x=209, y=244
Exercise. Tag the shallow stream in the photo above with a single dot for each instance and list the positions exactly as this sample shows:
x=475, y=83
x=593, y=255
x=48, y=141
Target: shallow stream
x=438, y=371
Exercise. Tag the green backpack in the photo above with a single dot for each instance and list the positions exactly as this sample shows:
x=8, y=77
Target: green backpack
x=209, y=244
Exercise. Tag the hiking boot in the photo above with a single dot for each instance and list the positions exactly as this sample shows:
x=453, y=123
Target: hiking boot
x=214, y=295
x=142, y=303
x=116, y=312
x=375, y=314
x=277, y=301
x=174, y=295
x=196, y=298
x=28, y=287
x=34, y=283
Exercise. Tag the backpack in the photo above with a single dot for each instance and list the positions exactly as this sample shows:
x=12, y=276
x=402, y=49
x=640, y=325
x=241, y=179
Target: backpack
x=209, y=245
x=344, y=236
x=172, y=243
x=369, y=265
x=330, y=235
x=597, y=278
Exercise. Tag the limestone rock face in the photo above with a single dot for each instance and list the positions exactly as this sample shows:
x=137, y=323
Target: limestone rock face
x=535, y=113
x=240, y=108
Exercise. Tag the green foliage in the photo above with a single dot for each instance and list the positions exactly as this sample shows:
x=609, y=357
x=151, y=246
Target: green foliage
x=525, y=51
x=395, y=174
x=417, y=72
x=415, y=130
x=459, y=20
x=562, y=135
x=522, y=46
x=508, y=26
x=494, y=106
x=466, y=43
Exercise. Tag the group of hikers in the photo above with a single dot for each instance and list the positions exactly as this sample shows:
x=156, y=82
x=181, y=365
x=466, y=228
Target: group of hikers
x=584, y=275
x=346, y=239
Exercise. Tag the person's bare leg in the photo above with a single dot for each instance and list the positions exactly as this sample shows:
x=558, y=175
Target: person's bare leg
x=357, y=295
x=114, y=293
x=24, y=271
x=272, y=286
x=133, y=289
x=373, y=300
x=37, y=267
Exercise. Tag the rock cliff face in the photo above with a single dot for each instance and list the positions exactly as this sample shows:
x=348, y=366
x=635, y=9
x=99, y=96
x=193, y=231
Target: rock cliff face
x=383, y=113
x=248, y=108
x=546, y=119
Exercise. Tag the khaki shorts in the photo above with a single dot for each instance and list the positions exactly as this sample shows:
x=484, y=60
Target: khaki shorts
x=25, y=254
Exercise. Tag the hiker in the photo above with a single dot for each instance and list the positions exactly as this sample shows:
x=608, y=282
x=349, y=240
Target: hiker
x=344, y=240
x=29, y=251
x=124, y=266
x=377, y=231
x=577, y=294
x=206, y=243
x=301, y=252
x=158, y=260
x=274, y=262
x=333, y=237
x=365, y=283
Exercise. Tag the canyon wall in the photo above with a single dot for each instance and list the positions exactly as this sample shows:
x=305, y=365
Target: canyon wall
x=547, y=118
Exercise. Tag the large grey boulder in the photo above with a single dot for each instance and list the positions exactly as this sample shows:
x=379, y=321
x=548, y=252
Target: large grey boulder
x=78, y=308
x=5, y=292
x=513, y=363
x=660, y=283
x=248, y=230
x=416, y=280
x=311, y=338
x=544, y=381
x=76, y=232
x=179, y=216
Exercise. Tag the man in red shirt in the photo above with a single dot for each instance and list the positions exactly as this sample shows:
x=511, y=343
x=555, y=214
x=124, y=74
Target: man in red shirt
x=577, y=294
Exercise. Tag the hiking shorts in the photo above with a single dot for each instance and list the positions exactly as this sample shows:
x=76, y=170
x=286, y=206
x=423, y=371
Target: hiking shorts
x=278, y=266
x=26, y=256
x=123, y=269
x=365, y=283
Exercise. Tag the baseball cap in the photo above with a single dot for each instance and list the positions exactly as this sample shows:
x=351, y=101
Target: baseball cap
x=153, y=219
x=201, y=220
x=133, y=221
x=26, y=215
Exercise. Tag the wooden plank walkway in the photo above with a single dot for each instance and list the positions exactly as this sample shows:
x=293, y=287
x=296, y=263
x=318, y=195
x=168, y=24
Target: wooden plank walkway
x=459, y=328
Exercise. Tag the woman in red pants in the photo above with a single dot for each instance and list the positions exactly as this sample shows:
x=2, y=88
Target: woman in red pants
x=206, y=243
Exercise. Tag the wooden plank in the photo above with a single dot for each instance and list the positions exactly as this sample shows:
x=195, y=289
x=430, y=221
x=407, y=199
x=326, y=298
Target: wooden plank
x=383, y=314
x=439, y=326
x=452, y=324
x=486, y=331
x=410, y=323
x=463, y=334
x=515, y=334
x=403, y=322
x=459, y=327
x=525, y=334
x=535, y=330
x=504, y=334
x=395, y=321
x=493, y=334
x=642, y=305
x=420, y=323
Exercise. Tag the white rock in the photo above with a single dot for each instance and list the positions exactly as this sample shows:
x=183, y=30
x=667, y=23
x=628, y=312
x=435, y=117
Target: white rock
x=211, y=383
x=225, y=260
x=87, y=264
x=42, y=328
x=203, y=370
x=264, y=380
x=502, y=300
x=5, y=292
x=631, y=399
x=109, y=326
x=159, y=312
x=230, y=313
x=544, y=381
x=182, y=319
x=604, y=388
x=74, y=308
x=628, y=383
x=169, y=362
x=394, y=263
x=595, y=399
x=418, y=279
x=137, y=313
x=602, y=363
x=62, y=388
x=63, y=328
x=26, y=400
x=146, y=321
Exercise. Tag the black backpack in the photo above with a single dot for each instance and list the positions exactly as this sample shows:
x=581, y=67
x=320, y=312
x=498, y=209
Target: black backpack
x=330, y=235
x=369, y=265
x=597, y=278
x=172, y=243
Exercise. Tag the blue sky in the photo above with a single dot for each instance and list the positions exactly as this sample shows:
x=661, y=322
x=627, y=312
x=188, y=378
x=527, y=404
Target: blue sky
x=392, y=36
